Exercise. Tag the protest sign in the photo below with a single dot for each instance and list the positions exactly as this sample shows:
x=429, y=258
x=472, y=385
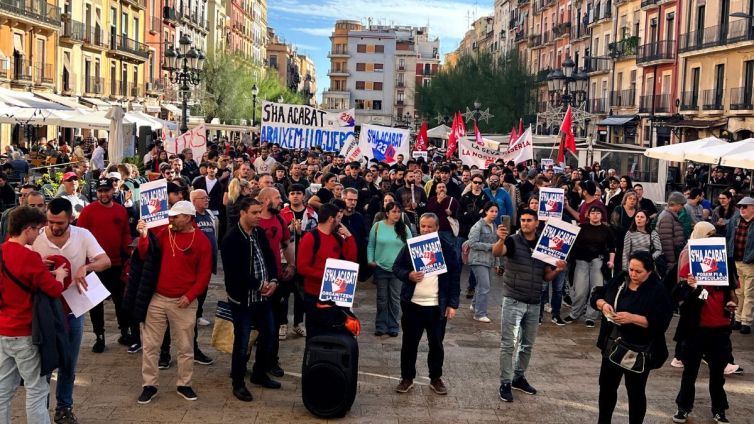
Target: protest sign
x=551, y=202
x=384, y=143
x=521, y=150
x=416, y=154
x=473, y=153
x=339, y=282
x=81, y=303
x=194, y=139
x=545, y=162
x=555, y=242
x=304, y=127
x=426, y=254
x=153, y=203
x=708, y=259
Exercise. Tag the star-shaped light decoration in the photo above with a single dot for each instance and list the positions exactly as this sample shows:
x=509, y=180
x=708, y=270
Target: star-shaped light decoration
x=440, y=119
x=553, y=116
x=484, y=115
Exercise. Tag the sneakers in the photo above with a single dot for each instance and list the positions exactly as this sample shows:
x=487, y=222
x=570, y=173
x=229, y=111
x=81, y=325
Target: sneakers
x=745, y=329
x=405, y=385
x=681, y=416
x=676, y=363
x=720, y=418
x=589, y=323
x=276, y=371
x=567, y=300
x=548, y=308
x=506, y=394
x=299, y=329
x=569, y=319
x=470, y=293
x=524, y=386
x=124, y=340
x=134, y=348
x=483, y=319
x=164, y=362
x=243, y=394
x=283, y=332
x=202, y=322
x=186, y=392
x=147, y=394
x=99, y=345
x=733, y=369
x=264, y=381
x=558, y=321
x=201, y=358
x=438, y=386
x=65, y=416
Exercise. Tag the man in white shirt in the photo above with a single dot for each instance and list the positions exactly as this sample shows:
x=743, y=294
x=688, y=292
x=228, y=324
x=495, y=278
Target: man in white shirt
x=264, y=163
x=98, y=156
x=78, y=246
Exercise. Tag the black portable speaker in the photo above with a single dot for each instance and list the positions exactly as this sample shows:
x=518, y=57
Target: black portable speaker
x=329, y=374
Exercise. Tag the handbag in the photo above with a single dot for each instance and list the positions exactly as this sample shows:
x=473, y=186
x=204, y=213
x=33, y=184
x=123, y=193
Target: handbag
x=628, y=356
x=222, y=332
x=455, y=226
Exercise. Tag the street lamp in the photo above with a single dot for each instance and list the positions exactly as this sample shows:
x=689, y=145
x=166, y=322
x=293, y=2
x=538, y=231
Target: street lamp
x=477, y=110
x=567, y=85
x=254, y=93
x=184, y=73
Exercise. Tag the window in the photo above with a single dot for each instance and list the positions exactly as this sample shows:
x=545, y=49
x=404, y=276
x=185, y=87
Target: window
x=274, y=61
x=359, y=104
x=378, y=67
x=719, y=82
x=124, y=25
x=379, y=48
x=401, y=64
x=377, y=104
x=377, y=86
x=136, y=29
x=361, y=67
x=360, y=85
x=400, y=96
x=361, y=48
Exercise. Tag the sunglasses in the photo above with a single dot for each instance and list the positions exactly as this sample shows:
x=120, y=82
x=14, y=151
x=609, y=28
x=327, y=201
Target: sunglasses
x=477, y=182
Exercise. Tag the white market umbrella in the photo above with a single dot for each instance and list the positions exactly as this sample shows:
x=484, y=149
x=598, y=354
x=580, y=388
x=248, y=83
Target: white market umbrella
x=442, y=131
x=743, y=157
x=115, y=142
x=677, y=152
x=715, y=155
x=94, y=120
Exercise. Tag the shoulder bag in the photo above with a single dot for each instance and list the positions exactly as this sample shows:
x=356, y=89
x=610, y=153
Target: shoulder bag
x=633, y=358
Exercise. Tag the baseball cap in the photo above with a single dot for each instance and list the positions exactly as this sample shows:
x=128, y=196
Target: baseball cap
x=183, y=207
x=115, y=175
x=746, y=201
x=69, y=175
x=104, y=184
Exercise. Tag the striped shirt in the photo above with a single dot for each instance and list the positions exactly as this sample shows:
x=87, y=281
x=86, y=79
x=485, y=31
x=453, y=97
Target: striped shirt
x=637, y=241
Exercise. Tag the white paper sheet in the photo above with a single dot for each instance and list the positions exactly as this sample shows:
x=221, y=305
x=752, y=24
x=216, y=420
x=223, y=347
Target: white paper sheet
x=81, y=303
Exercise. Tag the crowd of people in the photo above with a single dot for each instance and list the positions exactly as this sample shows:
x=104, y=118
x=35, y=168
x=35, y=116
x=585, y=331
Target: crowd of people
x=272, y=217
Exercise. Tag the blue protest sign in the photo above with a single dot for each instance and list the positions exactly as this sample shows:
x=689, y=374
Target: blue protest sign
x=153, y=203
x=555, y=242
x=551, y=202
x=339, y=282
x=426, y=254
x=708, y=260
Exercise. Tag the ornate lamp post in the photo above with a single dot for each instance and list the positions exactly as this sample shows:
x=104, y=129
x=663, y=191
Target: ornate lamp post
x=185, y=73
x=254, y=93
x=566, y=87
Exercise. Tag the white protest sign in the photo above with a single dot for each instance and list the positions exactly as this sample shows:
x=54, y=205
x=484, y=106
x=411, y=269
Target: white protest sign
x=384, y=143
x=555, y=242
x=194, y=139
x=339, y=282
x=304, y=127
x=551, y=201
x=153, y=203
x=708, y=260
x=426, y=254
x=472, y=153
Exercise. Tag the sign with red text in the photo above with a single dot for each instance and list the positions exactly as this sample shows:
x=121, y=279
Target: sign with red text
x=194, y=139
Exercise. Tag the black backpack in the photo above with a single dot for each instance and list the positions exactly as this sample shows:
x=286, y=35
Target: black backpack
x=317, y=241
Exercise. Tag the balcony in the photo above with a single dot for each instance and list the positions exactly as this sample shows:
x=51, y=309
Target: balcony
x=648, y=4
x=541, y=107
x=561, y=30
x=597, y=65
x=73, y=31
x=134, y=90
x=44, y=73
x=656, y=53
x=141, y=4
x=34, y=11
x=5, y=69
x=716, y=36
x=94, y=85
x=535, y=40
x=520, y=36
x=601, y=14
x=542, y=75
x=21, y=70
x=337, y=73
x=547, y=38
x=659, y=103
x=169, y=14
x=400, y=84
x=625, y=48
x=623, y=98
x=68, y=83
x=399, y=102
x=338, y=53
x=95, y=38
x=712, y=99
x=742, y=98
x=129, y=48
x=690, y=101
x=597, y=105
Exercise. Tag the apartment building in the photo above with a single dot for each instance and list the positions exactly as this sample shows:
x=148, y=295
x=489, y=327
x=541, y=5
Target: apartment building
x=248, y=35
x=308, y=85
x=296, y=71
x=219, y=26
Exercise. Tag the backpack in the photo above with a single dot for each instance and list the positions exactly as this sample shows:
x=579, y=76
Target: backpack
x=317, y=241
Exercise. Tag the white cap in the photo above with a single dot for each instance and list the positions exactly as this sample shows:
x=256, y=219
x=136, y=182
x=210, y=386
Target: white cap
x=115, y=175
x=183, y=207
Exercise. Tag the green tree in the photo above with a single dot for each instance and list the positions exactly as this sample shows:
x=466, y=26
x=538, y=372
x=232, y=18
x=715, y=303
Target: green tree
x=504, y=86
x=227, y=82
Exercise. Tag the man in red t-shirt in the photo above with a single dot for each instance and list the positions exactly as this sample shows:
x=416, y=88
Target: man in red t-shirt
x=108, y=223
x=279, y=236
x=21, y=357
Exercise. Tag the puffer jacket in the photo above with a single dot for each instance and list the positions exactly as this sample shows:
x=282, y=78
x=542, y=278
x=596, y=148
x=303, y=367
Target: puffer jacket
x=671, y=235
x=481, y=238
x=142, y=280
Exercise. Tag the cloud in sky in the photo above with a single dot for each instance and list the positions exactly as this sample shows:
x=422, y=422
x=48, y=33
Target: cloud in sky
x=317, y=32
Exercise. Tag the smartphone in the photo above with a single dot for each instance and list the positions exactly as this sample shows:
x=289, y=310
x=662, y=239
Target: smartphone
x=507, y=223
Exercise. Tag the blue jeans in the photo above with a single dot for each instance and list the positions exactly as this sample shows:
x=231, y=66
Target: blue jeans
x=481, y=295
x=258, y=315
x=66, y=377
x=519, y=323
x=556, y=300
x=388, y=301
x=19, y=358
x=586, y=276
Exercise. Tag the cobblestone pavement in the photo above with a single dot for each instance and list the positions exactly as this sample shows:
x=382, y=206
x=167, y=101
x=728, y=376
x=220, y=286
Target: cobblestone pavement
x=564, y=368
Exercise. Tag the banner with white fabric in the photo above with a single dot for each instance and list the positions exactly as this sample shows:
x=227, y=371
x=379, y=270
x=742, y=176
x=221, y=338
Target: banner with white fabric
x=473, y=153
x=305, y=127
x=195, y=139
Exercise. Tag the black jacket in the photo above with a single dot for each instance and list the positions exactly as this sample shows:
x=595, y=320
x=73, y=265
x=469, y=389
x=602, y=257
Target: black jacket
x=449, y=284
x=49, y=333
x=142, y=280
x=237, y=265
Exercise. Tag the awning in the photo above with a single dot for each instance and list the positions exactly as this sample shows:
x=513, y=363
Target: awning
x=70, y=102
x=153, y=109
x=696, y=123
x=18, y=43
x=617, y=121
x=99, y=104
x=677, y=152
x=67, y=61
x=27, y=100
x=172, y=109
x=143, y=120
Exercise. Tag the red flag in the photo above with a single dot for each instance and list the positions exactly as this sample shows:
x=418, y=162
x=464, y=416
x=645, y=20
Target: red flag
x=513, y=137
x=520, y=126
x=422, y=139
x=567, y=139
x=453, y=138
x=478, y=135
x=461, y=126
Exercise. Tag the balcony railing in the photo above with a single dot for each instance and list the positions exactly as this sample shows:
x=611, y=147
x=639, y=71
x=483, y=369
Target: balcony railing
x=520, y=36
x=73, y=30
x=660, y=102
x=712, y=99
x=690, y=100
x=597, y=65
x=169, y=14
x=38, y=10
x=597, y=105
x=742, y=98
x=541, y=107
x=542, y=75
x=624, y=48
x=137, y=3
x=623, y=98
x=128, y=45
x=5, y=68
x=21, y=70
x=94, y=85
x=736, y=31
x=561, y=29
x=535, y=40
x=648, y=3
x=44, y=73
x=94, y=36
x=134, y=90
x=601, y=14
x=659, y=51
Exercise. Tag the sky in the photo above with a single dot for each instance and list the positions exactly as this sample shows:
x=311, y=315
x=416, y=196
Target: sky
x=307, y=24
